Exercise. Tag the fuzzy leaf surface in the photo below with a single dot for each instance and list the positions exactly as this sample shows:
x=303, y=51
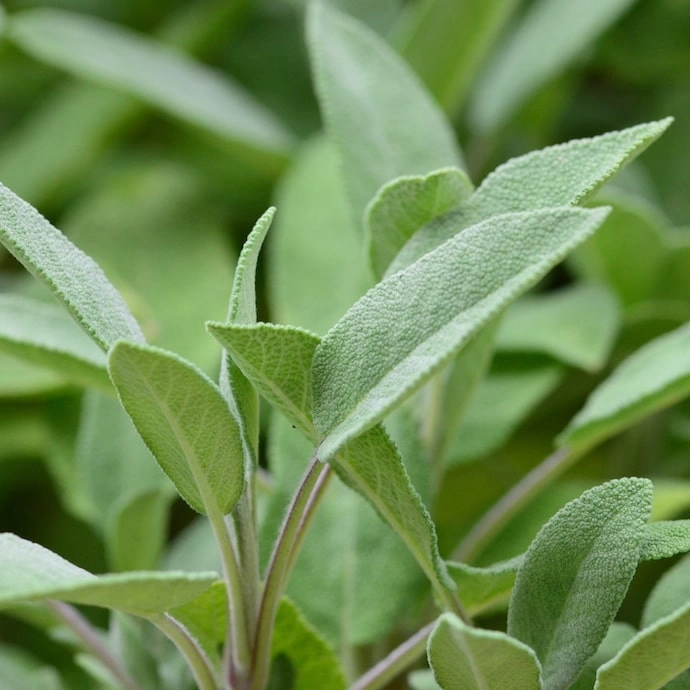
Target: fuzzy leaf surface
x=479, y=588
x=376, y=110
x=30, y=572
x=277, y=360
x=560, y=29
x=404, y=205
x=575, y=575
x=91, y=48
x=652, y=378
x=564, y=174
x=185, y=421
x=665, y=539
x=467, y=658
x=44, y=334
x=74, y=278
x=404, y=329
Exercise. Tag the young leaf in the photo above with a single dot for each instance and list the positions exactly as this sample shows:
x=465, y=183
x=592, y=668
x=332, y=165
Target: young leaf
x=72, y=276
x=376, y=111
x=565, y=174
x=404, y=205
x=409, y=325
x=94, y=49
x=30, y=572
x=653, y=657
x=560, y=29
x=480, y=588
x=466, y=658
x=44, y=334
x=185, y=421
x=576, y=325
x=652, y=378
x=575, y=575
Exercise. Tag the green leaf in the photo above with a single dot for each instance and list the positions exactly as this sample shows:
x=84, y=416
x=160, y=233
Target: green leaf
x=466, y=658
x=565, y=174
x=671, y=592
x=72, y=276
x=446, y=41
x=652, y=378
x=561, y=29
x=576, y=325
x=276, y=359
x=480, y=588
x=42, y=333
x=409, y=325
x=575, y=575
x=19, y=671
x=652, y=658
x=376, y=111
x=665, y=539
x=30, y=572
x=404, y=205
x=314, y=662
x=185, y=421
x=93, y=49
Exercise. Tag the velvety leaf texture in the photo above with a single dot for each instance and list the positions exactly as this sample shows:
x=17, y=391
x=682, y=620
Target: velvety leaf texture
x=665, y=539
x=479, y=588
x=94, y=49
x=30, y=572
x=73, y=277
x=466, y=658
x=185, y=422
x=564, y=174
x=575, y=575
x=409, y=325
x=377, y=112
x=653, y=377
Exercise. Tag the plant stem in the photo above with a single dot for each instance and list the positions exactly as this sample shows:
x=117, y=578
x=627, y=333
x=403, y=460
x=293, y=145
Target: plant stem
x=396, y=662
x=292, y=532
x=92, y=641
x=189, y=648
x=498, y=516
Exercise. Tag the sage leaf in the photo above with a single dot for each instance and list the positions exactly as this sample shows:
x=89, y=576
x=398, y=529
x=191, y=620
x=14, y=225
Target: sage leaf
x=466, y=658
x=277, y=359
x=652, y=378
x=657, y=654
x=564, y=174
x=376, y=111
x=670, y=593
x=481, y=588
x=560, y=29
x=185, y=421
x=404, y=329
x=20, y=671
x=665, y=539
x=30, y=573
x=575, y=575
x=404, y=205
x=576, y=325
x=74, y=278
x=447, y=41
x=93, y=49
x=43, y=334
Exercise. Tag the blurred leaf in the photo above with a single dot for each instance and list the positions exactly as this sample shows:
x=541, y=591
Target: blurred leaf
x=96, y=50
x=45, y=335
x=19, y=378
x=73, y=277
x=466, y=658
x=374, y=108
x=671, y=592
x=19, y=671
x=564, y=174
x=653, y=377
x=575, y=575
x=31, y=573
x=561, y=29
x=446, y=41
x=409, y=325
x=404, y=205
x=171, y=403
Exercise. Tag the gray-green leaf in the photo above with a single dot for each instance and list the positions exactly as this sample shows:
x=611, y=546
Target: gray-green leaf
x=74, y=278
x=185, y=421
x=409, y=325
x=378, y=114
x=30, y=572
x=466, y=658
x=575, y=575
